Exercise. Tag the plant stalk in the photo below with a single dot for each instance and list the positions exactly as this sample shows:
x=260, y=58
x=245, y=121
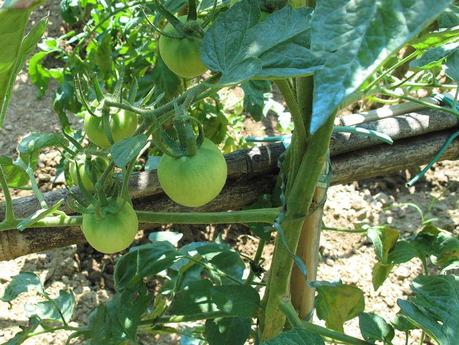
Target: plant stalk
x=299, y=200
x=9, y=210
x=308, y=251
x=264, y=215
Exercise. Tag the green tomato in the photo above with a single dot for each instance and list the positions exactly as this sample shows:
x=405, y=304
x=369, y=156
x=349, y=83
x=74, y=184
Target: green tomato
x=123, y=124
x=193, y=181
x=97, y=165
x=181, y=55
x=112, y=231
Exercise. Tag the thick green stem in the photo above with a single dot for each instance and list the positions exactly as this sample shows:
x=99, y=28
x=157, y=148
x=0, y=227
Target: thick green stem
x=263, y=215
x=266, y=215
x=419, y=101
x=289, y=311
x=9, y=210
x=298, y=202
x=185, y=133
x=192, y=11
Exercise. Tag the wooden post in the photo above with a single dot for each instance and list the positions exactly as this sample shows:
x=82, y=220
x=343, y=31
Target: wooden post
x=308, y=249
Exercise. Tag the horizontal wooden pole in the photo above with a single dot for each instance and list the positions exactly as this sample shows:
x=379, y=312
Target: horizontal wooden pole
x=251, y=174
x=263, y=160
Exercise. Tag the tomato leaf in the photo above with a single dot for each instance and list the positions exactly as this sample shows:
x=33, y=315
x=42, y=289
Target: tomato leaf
x=274, y=48
x=357, y=36
x=21, y=283
x=384, y=239
x=115, y=322
x=379, y=274
x=36, y=141
x=227, y=331
x=373, y=327
x=452, y=66
x=434, y=57
x=25, y=333
x=435, y=307
x=128, y=149
x=143, y=261
x=254, y=97
x=15, y=48
x=296, y=336
x=52, y=309
x=201, y=298
x=220, y=260
x=337, y=303
x=15, y=176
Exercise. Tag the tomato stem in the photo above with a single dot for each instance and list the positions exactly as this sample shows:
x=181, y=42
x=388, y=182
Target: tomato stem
x=9, y=214
x=174, y=21
x=185, y=132
x=263, y=215
x=192, y=10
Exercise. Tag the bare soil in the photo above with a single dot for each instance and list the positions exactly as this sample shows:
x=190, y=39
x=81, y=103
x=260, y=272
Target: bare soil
x=345, y=256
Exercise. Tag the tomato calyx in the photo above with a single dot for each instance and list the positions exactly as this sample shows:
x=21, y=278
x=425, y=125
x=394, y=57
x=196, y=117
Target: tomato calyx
x=187, y=143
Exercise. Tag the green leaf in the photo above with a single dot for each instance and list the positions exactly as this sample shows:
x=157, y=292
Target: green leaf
x=146, y=260
x=128, y=149
x=446, y=249
x=71, y=11
x=384, y=239
x=449, y=18
x=380, y=273
x=435, y=307
x=434, y=57
x=296, y=337
x=14, y=50
x=403, y=251
x=219, y=259
x=254, y=97
x=66, y=99
x=34, y=142
x=227, y=331
x=50, y=310
x=452, y=66
x=169, y=236
x=152, y=163
x=25, y=333
x=21, y=283
x=357, y=36
x=117, y=321
x=374, y=327
x=39, y=75
x=337, y=303
x=275, y=48
x=15, y=176
x=203, y=298
x=402, y=324
x=164, y=79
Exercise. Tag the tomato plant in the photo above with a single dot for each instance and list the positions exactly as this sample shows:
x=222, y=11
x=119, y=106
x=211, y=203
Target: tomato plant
x=138, y=63
x=196, y=180
x=111, y=228
x=182, y=54
x=122, y=124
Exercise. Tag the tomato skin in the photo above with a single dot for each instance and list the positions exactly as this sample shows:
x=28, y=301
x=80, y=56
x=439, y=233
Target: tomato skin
x=194, y=181
x=123, y=124
x=112, y=232
x=181, y=55
x=98, y=163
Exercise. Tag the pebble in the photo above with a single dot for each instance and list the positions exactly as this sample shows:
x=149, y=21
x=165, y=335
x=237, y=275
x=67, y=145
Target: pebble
x=402, y=272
